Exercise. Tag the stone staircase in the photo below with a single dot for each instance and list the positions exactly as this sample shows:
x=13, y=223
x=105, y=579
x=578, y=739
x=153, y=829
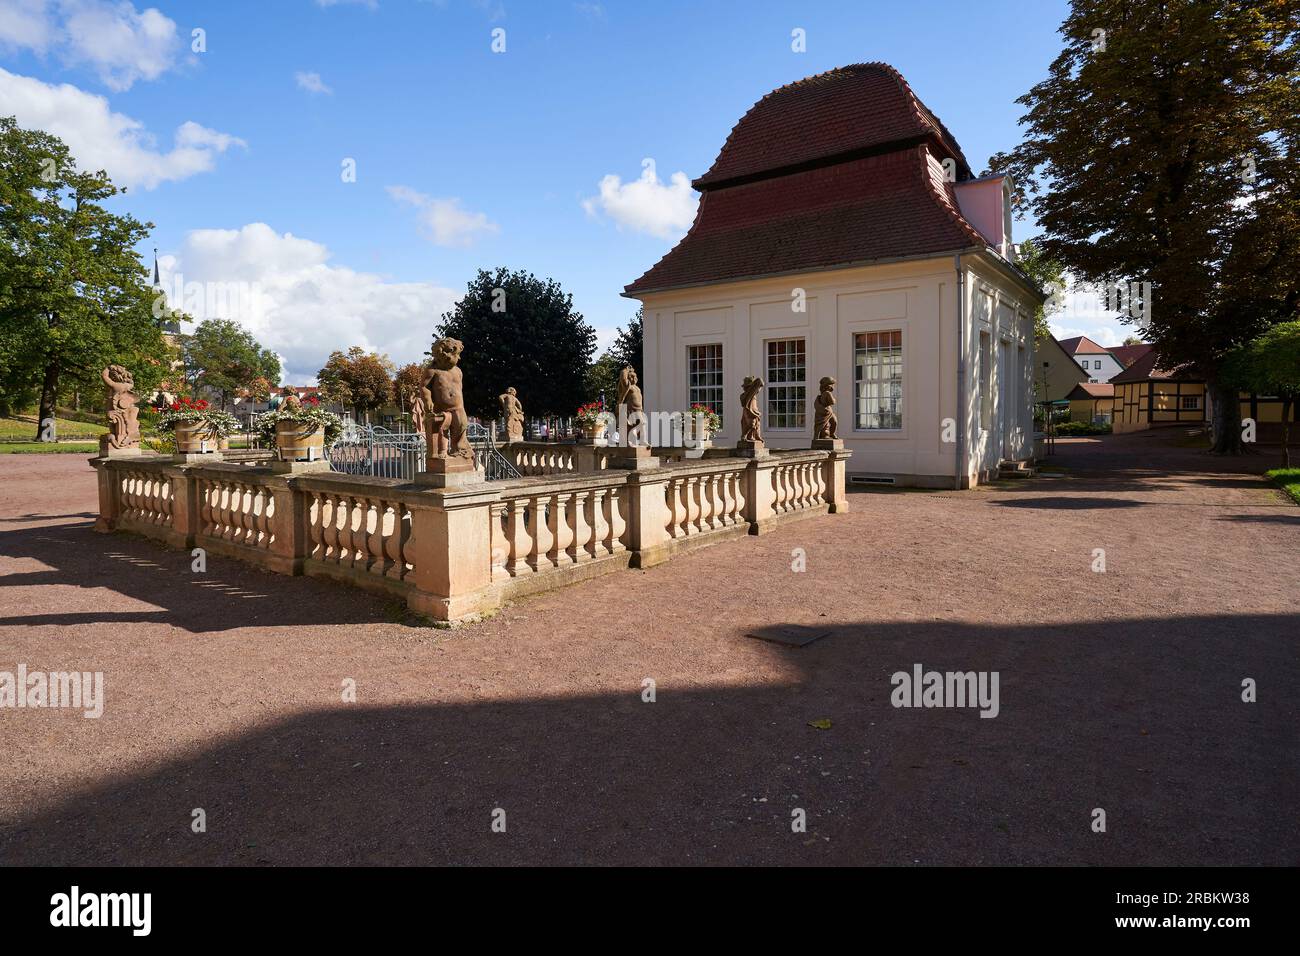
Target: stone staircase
x=1015, y=470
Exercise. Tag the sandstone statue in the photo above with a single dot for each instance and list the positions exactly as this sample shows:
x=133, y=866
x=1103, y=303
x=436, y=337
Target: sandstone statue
x=825, y=423
x=446, y=422
x=289, y=400
x=123, y=416
x=417, y=411
x=513, y=413
x=751, y=419
x=629, y=394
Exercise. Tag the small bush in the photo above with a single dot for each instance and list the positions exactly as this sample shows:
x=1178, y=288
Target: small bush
x=1081, y=428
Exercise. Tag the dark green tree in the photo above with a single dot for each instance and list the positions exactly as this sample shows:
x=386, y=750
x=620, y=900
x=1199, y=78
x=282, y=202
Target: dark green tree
x=628, y=349
x=523, y=331
x=74, y=295
x=1161, y=149
x=1270, y=365
x=602, y=379
x=222, y=357
x=1050, y=276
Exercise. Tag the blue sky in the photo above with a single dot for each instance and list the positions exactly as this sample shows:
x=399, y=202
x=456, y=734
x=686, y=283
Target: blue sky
x=464, y=157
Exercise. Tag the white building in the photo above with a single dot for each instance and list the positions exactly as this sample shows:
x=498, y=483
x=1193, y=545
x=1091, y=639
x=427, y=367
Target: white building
x=841, y=233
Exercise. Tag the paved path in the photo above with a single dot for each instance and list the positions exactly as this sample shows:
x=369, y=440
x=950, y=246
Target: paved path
x=1118, y=690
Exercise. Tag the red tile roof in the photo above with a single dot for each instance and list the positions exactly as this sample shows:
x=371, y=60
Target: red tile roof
x=1128, y=354
x=877, y=208
x=849, y=110
x=1085, y=390
x=839, y=169
x=1082, y=345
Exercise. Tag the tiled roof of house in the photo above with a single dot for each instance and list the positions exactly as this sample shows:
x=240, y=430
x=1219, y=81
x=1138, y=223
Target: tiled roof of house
x=1092, y=390
x=1128, y=354
x=840, y=169
x=1082, y=345
x=851, y=109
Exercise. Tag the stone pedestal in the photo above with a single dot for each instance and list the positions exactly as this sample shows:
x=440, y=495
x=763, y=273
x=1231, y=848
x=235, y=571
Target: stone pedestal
x=751, y=449
x=828, y=444
x=299, y=467
x=449, y=473
x=632, y=457
x=598, y=440
x=105, y=451
x=196, y=458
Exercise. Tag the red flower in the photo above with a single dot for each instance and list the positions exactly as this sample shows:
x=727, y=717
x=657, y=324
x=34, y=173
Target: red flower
x=202, y=404
x=313, y=399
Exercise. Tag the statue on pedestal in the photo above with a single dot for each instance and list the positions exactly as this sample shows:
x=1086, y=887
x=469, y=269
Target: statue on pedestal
x=417, y=411
x=513, y=413
x=751, y=419
x=123, y=416
x=825, y=422
x=446, y=422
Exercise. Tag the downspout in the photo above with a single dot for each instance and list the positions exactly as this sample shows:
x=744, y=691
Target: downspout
x=961, y=371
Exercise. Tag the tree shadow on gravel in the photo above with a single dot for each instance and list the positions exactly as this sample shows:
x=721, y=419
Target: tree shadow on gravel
x=230, y=594
x=1143, y=718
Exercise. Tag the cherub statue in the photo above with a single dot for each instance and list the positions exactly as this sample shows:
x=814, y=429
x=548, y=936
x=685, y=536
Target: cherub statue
x=751, y=419
x=123, y=416
x=825, y=422
x=629, y=394
x=446, y=422
x=289, y=400
x=513, y=413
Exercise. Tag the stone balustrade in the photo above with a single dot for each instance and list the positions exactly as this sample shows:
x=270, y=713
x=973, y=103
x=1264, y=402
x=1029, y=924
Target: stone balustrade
x=455, y=553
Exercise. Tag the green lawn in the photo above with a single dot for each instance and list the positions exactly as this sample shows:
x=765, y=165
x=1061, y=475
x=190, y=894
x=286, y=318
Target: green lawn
x=17, y=429
x=48, y=448
x=1288, y=479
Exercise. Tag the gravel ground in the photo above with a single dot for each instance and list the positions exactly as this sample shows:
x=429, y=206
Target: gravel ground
x=1118, y=690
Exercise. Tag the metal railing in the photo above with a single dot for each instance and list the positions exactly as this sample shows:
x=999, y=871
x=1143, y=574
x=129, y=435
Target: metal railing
x=376, y=452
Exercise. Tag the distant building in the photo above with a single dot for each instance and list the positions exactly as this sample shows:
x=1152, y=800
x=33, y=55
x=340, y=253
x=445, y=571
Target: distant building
x=1098, y=361
x=1057, y=372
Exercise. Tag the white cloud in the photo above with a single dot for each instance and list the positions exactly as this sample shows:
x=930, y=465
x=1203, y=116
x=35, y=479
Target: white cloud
x=311, y=82
x=26, y=24
x=646, y=204
x=444, y=220
x=284, y=290
x=102, y=139
x=119, y=43
x=1083, y=312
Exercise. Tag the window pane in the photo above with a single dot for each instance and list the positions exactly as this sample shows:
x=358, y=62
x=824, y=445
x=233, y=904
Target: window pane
x=787, y=391
x=704, y=371
x=878, y=380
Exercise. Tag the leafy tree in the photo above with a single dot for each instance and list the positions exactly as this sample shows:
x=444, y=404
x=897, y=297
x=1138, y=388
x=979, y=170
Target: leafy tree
x=358, y=378
x=1050, y=276
x=408, y=381
x=1132, y=340
x=1270, y=365
x=222, y=357
x=1161, y=149
x=602, y=379
x=628, y=345
x=520, y=330
x=75, y=296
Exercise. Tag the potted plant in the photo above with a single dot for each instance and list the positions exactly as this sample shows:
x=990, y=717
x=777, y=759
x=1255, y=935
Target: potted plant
x=700, y=423
x=591, y=419
x=300, y=429
x=196, y=427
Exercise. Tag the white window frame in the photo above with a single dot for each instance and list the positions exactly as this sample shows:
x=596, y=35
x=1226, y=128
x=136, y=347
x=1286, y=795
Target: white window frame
x=790, y=392
x=695, y=393
x=860, y=380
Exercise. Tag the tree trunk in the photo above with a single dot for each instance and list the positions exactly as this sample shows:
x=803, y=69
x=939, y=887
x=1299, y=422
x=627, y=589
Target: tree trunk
x=1286, y=431
x=49, y=395
x=1227, y=420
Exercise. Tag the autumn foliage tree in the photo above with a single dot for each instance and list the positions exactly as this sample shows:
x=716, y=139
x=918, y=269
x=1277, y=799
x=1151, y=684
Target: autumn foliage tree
x=357, y=378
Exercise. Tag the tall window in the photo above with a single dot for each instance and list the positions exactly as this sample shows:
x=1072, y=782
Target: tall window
x=704, y=371
x=787, y=386
x=878, y=380
x=986, y=381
